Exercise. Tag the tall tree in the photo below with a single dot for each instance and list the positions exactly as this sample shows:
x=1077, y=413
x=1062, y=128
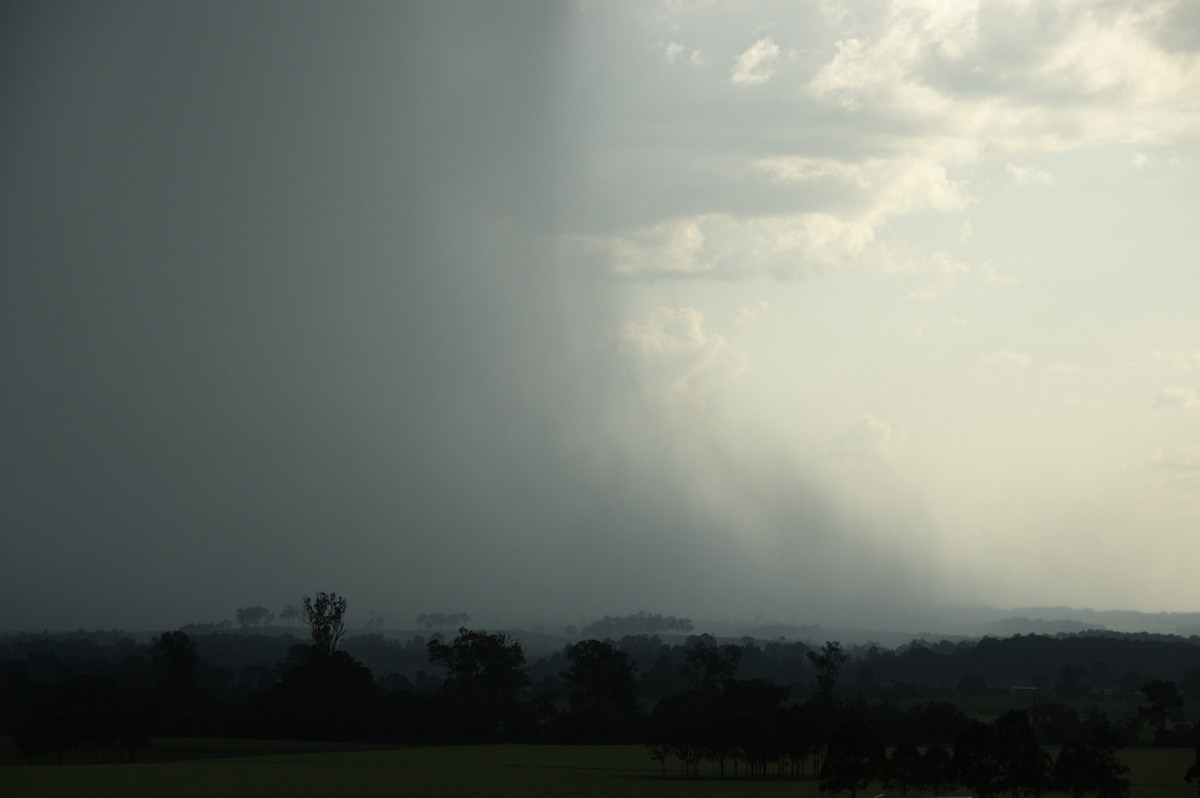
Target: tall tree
x=289, y=614
x=174, y=655
x=1166, y=704
x=254, y=616
x=709, y=667
x=488, y=661
x=324, y=616
x=976, y=762
x=1090, y=769
x=828, y=662
x=905, y=767
x=485, y=675
x=750, y=709
x=322, y=695
x=1023, y=763
x=601, y=673
x=935, y=769
x=602, y=686
x=855, y=758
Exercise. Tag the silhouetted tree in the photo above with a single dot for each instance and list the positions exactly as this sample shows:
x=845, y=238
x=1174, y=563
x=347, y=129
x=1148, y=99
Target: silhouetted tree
x=662, y=679
x=935, y=769
x=374, y=623
x=976, y=762
x=905, y=767
x=802, y=738
x=83, y=712
x=602, y=687
x=750, y=710
x=174, y=656
x=937, y=722
x=1072, y=681
x=289, y=614
x=1166, y=704
x=324, y=616
x=1090, y=769
x=855, y=758
x=442, y=620
x=254, y=616
x=709, y=666
x=677, y=727
x=828, y=662
x=323, y=695
x=1193, y=772
x=1023, y=763
x=1054, y=723
x=485, y=674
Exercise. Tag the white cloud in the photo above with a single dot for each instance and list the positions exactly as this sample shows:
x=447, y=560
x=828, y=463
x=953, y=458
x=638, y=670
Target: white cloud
x=669, y=247
x=1177, y=399
x=992, y=278
x=1181, y=465
x=869, y=438
x=1178, y=360
x=680, y=354
x=1003, y=357
x=1027, y=175
x=890, y=186
x=947, y=269
x=1181, y=458
x=670, y=331
x=675, y=52
x=722, y=245
x=939, y=91
x=1087, y=75
x=750, y=314
x=757, y=64
x=818, y=239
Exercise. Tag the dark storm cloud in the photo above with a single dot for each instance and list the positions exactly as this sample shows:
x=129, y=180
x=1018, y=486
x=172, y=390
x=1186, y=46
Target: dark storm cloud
x=249, y=305
x=281, y=312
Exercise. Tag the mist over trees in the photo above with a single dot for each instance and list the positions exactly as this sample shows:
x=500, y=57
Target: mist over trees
x=442, y=620
x=641, y=623
x=254, y=616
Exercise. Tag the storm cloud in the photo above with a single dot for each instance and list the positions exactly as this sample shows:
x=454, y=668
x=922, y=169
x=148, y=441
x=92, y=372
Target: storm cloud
x=546, y=311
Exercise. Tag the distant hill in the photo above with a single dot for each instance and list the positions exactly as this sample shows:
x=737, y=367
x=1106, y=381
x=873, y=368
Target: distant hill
x=1051, y=620
x=968, y=623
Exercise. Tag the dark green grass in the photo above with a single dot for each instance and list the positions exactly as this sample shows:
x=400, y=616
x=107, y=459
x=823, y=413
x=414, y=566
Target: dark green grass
x=623, y=771
x=176, y=749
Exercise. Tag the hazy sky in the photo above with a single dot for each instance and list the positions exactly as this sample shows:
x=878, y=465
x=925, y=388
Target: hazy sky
x=826, y=311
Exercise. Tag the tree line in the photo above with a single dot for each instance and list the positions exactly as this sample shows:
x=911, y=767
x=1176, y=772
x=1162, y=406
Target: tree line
x=745, y=710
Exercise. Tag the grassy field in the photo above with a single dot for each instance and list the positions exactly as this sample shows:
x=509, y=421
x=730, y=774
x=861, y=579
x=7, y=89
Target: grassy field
x=624, y=771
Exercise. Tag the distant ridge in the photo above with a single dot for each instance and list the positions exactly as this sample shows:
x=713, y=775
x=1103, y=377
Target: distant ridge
x=1185, y=624
x=966, y=623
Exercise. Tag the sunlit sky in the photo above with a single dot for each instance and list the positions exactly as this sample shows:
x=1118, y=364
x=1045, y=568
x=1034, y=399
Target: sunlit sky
x=944, y=255
x=822, y=311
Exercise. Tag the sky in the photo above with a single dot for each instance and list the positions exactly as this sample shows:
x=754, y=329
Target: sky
x=824, y=312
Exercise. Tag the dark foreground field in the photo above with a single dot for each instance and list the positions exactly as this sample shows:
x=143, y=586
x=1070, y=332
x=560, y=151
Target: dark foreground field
x=624, y=771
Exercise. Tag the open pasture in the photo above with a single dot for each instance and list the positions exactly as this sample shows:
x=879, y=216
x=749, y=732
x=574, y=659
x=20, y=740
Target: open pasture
x=533, y=771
